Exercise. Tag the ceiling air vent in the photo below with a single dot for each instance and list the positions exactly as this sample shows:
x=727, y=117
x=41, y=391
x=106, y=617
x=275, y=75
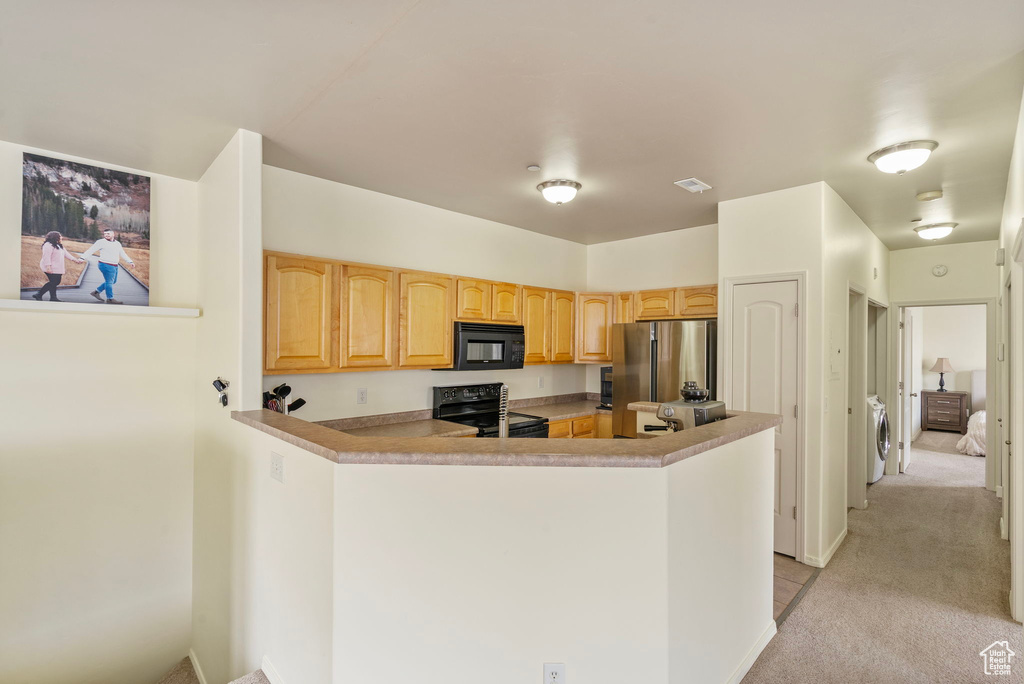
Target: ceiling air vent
x=693, y=185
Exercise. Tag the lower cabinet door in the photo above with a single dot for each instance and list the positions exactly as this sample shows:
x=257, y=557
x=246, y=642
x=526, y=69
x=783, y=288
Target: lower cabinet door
x=560, y=429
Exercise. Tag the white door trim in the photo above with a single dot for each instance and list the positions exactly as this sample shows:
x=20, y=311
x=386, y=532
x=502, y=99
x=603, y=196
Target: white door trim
x=991, y=371
x=725, y=361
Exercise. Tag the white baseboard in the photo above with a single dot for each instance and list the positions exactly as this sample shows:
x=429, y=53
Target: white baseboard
x=1002, y=529
x=999, y=491
x=271, y=672
x=195, y=666
x=913, y=437
x=748, y=661
x=822, y=562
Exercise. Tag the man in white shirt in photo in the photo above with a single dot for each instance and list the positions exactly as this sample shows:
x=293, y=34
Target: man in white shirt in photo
x=109, y=252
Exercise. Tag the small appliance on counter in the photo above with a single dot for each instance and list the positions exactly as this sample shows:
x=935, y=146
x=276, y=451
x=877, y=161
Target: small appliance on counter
x=606, y=388
x=479, y=406
x=693, y=410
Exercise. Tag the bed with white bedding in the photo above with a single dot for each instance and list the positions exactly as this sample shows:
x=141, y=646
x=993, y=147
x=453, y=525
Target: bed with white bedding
x=973, y=443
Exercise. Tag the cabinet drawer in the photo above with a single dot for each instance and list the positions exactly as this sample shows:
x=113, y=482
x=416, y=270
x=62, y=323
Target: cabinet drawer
x=560, y=429
x=942, y=402
x=583, y=426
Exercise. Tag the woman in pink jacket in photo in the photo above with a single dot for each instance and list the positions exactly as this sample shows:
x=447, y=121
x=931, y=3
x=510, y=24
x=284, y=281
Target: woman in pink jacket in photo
x=52, y=264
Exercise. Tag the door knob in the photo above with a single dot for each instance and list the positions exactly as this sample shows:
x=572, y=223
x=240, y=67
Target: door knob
x=914, y=394
x=1007, y=442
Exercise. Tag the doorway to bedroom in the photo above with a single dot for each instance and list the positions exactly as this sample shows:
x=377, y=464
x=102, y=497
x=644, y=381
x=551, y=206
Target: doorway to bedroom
x=944, y=371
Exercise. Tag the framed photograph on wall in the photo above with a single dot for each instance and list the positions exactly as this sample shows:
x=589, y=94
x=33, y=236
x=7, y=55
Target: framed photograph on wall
x=84, y=233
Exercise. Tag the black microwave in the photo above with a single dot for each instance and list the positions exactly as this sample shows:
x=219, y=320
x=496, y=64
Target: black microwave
x=488, y=346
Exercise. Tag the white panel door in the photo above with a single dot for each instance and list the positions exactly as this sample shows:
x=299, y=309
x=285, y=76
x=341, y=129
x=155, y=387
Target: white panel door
x=765, y=357
x=907, y=395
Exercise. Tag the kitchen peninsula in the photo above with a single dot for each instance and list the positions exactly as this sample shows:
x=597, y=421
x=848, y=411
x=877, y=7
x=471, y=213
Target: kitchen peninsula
x=627, y=560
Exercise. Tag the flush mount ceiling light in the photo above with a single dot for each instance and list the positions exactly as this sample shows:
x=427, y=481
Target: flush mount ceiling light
x=559, y=191
x=935, y=231
x=929, y=196
x=902, y=157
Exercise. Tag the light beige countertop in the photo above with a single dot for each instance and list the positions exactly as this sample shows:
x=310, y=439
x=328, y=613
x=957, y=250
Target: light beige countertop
x=414, y=428
x=643, y=406
x=562, y=411
x=341, y=447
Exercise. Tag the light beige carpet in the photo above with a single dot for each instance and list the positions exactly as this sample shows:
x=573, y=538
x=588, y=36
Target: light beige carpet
x=917, y=590
x=181, y=674
x=939, y=441
x=256, y=677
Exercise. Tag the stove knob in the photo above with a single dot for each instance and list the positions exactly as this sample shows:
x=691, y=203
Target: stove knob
x=669, y=411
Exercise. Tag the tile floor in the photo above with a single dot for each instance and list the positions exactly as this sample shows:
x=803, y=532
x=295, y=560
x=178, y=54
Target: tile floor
x=792, y=579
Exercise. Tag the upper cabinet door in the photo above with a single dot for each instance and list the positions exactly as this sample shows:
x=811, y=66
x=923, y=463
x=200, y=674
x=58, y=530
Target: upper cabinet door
x=655, y=304
x=563, y=329
x=426, y=308
x=506, y=303
x=624, y=307
x=594, y=327
x=368, y=308
x=698, y=301
x=537, y=322
x=473, y=302
x=299, y=310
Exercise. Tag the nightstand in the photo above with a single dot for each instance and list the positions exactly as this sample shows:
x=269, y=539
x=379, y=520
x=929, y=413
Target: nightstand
x=945, y=411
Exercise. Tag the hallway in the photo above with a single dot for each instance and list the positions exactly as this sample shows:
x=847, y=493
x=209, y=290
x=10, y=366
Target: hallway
x=917, y=590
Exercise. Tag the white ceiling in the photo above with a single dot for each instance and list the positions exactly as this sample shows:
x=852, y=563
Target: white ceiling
x=447, y=102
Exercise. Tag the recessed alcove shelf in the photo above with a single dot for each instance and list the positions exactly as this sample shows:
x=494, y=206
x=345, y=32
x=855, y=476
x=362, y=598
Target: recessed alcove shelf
x=97, y=309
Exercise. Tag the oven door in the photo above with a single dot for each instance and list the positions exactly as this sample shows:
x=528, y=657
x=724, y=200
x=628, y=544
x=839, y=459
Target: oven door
x=480, y=346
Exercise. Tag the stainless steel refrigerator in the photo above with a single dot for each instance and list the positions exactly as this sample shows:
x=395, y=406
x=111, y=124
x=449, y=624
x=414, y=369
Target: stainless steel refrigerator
x=651, y=361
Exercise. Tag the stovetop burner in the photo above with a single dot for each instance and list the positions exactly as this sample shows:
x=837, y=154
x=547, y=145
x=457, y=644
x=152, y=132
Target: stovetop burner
x=477, y=406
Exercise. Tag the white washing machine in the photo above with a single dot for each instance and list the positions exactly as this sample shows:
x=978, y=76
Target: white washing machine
x=878, y=438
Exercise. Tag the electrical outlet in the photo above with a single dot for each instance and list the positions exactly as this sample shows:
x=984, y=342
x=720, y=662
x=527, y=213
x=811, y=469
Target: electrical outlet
x=361, y=395
x=277, y=467
x=540, y=381
x=554, y=673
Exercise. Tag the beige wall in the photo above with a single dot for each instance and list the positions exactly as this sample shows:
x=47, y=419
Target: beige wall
x=307, y=215
x=96, y=466
x=958, y=333
x=674, y=259
x=853, y=258
x=972, y=272
x=498, y=570
x=809, y=229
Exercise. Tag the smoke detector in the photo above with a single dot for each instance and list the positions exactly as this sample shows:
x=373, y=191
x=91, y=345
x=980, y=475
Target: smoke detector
x=693, y=185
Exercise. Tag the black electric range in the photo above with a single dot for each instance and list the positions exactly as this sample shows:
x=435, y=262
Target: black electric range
x=477, y=406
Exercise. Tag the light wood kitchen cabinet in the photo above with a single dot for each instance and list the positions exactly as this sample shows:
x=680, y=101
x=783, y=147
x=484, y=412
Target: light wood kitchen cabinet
x=537, y=322
x=506, y=303
x=299, y=326
x=473, y=301
x=563, y=329
x=697, y=302
x=426, y=306
x=624, y=302
x=594, y=327
x=655, y=304
x=487, y=301
x=368, y=308
x=572, y=428
x=603, y=426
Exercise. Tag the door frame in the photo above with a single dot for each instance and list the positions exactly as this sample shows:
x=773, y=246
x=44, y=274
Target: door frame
x=992, y=455
x=856, y=386
x=725, y=359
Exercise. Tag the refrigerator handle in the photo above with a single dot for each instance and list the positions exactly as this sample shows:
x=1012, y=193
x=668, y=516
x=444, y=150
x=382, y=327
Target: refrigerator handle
x=654, y=369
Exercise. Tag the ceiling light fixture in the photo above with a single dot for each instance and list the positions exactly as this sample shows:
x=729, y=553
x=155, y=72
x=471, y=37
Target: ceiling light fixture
x=902, y=157
x=929, y=196
x=533, y=167
x=935, y=231
x=559, y=191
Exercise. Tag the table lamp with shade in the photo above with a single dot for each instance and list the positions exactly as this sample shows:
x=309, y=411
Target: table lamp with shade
x=942, y=366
